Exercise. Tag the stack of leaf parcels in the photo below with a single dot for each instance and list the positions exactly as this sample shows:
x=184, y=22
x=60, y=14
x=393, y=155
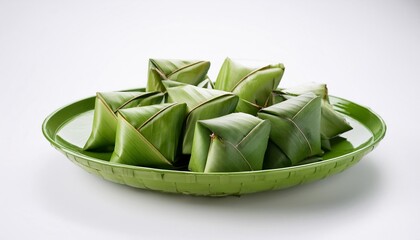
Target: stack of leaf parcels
x=242, y=122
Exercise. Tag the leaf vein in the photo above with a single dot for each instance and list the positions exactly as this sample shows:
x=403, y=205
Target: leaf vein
x=304, y=136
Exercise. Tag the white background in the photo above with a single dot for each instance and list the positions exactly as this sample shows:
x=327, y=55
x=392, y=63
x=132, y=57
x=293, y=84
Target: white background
x=55, y=52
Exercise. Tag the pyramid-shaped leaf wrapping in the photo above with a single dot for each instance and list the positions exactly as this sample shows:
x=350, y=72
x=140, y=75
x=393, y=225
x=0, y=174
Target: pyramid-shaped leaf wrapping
x=296, y=126
x=332, y=123
x=252, y=85
x=183, y=71
x=107, y=104
x=235, y=142
x=149, y=136
x=201, y=104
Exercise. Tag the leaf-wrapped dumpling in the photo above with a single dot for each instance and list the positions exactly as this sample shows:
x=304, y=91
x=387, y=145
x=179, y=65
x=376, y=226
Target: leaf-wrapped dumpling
x=252, y=85
x=296, y=126
x=107, y=104
x=231, y=143
x=201, y=104
x=187, y=72
x=149, y=136
x=332, y=123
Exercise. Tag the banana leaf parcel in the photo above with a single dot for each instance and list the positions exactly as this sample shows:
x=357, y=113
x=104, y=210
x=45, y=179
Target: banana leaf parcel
x=149, y=136
x=188, y=72
x=202, y=104
x=252, y=85
x=332, y=123
x=231, y=143
x=107, y=104
x=296, y=126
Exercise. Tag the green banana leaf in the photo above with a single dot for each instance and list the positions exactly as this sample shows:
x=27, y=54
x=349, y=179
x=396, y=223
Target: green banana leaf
x=107, y=104
x=188, y=72
x=275, y=157
x=231, y=143
x=207, y=83
x=277, y=96
x=296, y=126
x=332, y=123
x=149, y=136
x=201, y=104
x=325, y=142
x=171, y=83
x=252, y=85
x=319, y=89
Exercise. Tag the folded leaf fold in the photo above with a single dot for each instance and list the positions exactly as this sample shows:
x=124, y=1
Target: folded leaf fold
x=182, y=71
x=149, y=136
x=252, y=85
x=201, y=104
x=234, y=142
x=296, y=126
x=107, y=104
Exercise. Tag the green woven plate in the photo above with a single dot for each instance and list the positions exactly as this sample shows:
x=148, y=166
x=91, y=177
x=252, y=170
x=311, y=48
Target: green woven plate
x=68, y=128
